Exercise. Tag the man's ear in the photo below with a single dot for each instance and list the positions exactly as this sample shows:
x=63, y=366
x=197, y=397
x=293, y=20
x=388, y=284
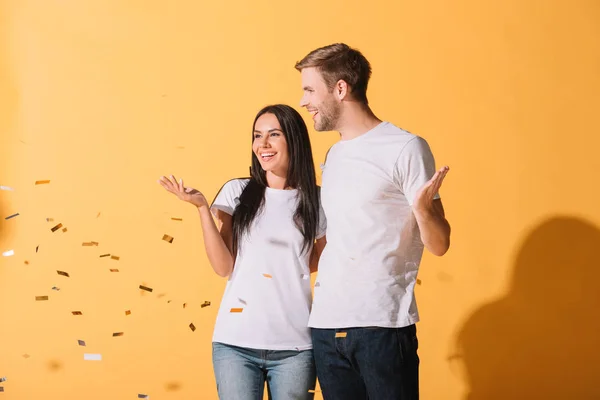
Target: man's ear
x=341, y=89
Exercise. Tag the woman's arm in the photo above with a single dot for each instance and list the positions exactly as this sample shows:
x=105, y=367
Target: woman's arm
x=315, y=255
x=218, y=243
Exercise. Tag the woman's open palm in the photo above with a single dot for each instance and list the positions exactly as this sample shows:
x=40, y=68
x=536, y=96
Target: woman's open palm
x=189, y=195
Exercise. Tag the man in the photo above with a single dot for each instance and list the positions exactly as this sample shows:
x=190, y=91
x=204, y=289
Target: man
x=380, y=197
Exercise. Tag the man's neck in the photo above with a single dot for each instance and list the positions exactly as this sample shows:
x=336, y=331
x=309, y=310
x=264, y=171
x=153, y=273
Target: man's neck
x=357, y=119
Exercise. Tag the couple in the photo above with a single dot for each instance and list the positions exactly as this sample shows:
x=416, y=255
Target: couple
x=380, y=207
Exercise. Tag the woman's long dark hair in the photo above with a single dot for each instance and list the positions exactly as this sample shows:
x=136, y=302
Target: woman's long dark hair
x=300, y=175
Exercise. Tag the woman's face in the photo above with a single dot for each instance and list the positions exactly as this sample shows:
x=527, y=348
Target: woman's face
x=270, y=145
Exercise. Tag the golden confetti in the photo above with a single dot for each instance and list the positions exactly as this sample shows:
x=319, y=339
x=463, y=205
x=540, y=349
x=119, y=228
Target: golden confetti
x=55, y=288
x=145, y=288
x=184, y=305
x=105, y=255
x=98, y=215
x=36, y=248
x=114, y=270
x=161, y=295
x=317, y=284
x=57, y=227
x=236, y=310
x=81, y=342
x=87, y=244
x=76, y=313
x=341, y=334
x=95, y=243
x=418, y=281
x=192, y=327
x=205, y=304
x=41, y=182
x=40, y=298
x=168, y=238
x=242, y=301
x=128, y=312
x=115, y=257
x=12, y=216
x=143, y=396
x=63, y=273
x=26, y=262
x=267, y=276
x=26, y=356
x=64, y=229
x=49, y=219
x=117, y=334
x=176, y=219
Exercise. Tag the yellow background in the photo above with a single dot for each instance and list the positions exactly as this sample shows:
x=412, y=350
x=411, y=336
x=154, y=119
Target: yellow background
x=103, y=96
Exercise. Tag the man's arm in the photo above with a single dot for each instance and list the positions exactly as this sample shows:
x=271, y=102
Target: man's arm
x=435, y=229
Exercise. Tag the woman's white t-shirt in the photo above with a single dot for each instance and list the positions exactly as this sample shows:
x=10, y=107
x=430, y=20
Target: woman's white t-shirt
x=267, y=299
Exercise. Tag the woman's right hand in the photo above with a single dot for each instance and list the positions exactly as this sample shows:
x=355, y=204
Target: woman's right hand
x=190, y=195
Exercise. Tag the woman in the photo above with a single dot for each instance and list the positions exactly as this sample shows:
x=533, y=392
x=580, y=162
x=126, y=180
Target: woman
x=266, y=246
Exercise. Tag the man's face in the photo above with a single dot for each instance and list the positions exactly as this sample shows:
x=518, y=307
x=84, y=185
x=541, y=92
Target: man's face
x=319, y=100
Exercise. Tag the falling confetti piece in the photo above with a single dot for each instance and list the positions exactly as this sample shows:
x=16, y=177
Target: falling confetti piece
x=81, y=342
x=63, y=273
x=267, y=276
x=26, y=356
x=176, y=219
x=184, y=305
x=55, y=288
x=57, y=227
x=161, y=295
x=242, y=301
x=236, y=310
x=64, y=229
x=95, y=243
x=6, y=188
x=76, y=313
x=114, y=270
x=168, y=301
x=1, y=389
x=49, y=219
x=341, y=334
x=117, y=334
x=205, y=304
x=128, y=312
x=305, y=277
x=98, y=215
x=314, y=391
x=317, y=284
x=146, y=288
x=36, y=248
x=92, y=357
x=40, y=298
x=87, y=244
x=105, y=255
x=12, y=216
x=168, y=238
x=26, y=262
x=115, y=257
x=418, y=281
x=143, y=396
x=8, y=253
x=3, y=379
x=192, y=327
x=41, y=182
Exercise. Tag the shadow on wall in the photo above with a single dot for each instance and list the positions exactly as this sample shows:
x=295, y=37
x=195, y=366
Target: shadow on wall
x=542, y=340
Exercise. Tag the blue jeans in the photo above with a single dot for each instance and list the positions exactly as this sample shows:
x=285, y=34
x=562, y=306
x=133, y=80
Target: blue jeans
x=241, y=373
x=369, y=363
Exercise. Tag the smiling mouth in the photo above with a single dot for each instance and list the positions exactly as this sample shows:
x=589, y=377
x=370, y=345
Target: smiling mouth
x=267, y=156
x=313, y=113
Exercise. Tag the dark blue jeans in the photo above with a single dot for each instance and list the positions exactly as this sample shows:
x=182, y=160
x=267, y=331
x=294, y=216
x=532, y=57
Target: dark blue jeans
x=368, y=363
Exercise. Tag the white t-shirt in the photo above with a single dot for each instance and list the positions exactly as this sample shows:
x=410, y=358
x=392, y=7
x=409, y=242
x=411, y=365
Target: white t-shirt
x=368, y=269
x=270, y=281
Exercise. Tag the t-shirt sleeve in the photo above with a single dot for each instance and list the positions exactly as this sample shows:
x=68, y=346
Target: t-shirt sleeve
x=414, y=167
x=228, y=197
x=322, y=223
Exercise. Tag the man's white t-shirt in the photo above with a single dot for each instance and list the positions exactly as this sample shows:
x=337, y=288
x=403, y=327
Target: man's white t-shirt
x=270, y=282
x=368, y=269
